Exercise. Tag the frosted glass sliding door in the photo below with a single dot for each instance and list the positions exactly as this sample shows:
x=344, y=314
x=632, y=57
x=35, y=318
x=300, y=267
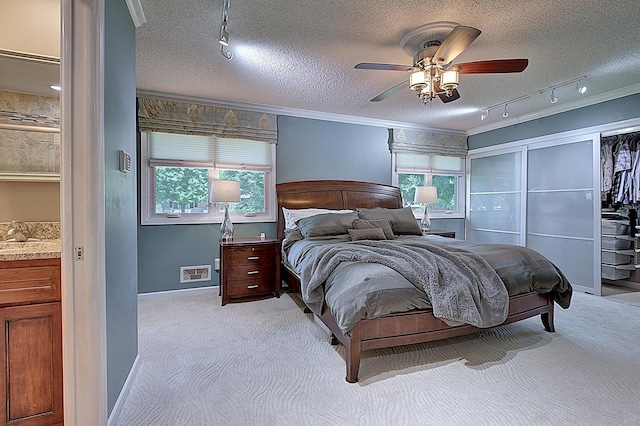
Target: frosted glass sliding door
x=494, y=208
x=562, y=205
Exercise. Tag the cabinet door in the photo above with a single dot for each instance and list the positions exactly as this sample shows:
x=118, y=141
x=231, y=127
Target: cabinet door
x=31, y=365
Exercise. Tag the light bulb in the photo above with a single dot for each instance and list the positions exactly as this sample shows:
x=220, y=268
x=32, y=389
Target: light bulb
x=581, y=89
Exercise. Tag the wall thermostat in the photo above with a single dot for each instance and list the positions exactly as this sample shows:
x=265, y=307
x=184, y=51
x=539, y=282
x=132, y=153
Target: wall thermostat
x=125, y=161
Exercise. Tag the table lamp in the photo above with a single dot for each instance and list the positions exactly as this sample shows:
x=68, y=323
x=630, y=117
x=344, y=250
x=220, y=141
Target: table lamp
x=426, y=195
x=225, y=191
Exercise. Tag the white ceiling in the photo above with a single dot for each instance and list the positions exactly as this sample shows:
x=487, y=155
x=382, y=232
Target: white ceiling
x=298, y=57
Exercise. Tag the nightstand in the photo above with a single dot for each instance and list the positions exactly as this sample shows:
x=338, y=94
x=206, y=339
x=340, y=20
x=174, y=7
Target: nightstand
x=448, y=234
x=249, y=267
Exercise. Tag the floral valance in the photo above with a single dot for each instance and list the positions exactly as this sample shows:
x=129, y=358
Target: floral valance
x=169, y=116
x=425, y=142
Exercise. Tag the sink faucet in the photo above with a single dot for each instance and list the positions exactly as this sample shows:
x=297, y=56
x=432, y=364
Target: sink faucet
x=18, y=231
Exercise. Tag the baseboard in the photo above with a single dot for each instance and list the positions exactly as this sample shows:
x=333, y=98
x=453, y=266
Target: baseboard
x=170, y=293
x=117, y=407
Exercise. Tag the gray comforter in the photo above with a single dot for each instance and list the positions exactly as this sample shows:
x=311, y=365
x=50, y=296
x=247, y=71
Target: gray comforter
x=462, y=286
x=359, y=289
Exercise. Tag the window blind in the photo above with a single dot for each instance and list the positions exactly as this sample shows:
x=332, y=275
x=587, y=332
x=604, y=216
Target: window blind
x=180, y=150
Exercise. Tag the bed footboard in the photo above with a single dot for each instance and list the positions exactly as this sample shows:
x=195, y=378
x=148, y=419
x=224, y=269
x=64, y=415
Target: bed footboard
x=421, y=326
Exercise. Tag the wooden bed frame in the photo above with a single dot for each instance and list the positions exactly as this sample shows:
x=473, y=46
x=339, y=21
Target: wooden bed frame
x=415, y=326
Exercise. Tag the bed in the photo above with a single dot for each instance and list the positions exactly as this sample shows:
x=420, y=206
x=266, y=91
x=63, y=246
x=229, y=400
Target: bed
x=403, y=313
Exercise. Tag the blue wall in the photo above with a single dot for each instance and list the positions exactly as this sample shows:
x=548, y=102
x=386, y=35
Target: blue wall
x=120, y=198
x=307, y=149
x=315, y=149
x=612, y=111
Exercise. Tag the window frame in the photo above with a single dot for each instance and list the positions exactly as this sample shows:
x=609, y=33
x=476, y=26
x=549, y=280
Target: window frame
x=460, y=195
x=148, y=216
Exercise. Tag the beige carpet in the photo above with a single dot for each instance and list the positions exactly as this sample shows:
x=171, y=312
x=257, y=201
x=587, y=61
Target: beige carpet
x=268, y=363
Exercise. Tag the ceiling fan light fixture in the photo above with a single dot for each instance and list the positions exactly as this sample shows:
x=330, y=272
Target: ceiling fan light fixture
x=418, y=80
x=449, y=80
x=554, y=99
x=427, y=93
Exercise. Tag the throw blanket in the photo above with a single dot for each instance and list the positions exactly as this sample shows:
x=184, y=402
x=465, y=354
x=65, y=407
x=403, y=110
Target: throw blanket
x=462, y=286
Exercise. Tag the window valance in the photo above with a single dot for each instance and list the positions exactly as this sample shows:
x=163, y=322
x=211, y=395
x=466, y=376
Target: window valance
x=169, y=116
x=425, y=142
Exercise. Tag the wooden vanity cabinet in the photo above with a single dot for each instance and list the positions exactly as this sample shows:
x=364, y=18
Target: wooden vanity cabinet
x=31, y=347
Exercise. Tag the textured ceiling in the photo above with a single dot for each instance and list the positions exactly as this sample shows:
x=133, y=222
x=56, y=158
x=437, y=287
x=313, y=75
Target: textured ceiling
x=298, y=57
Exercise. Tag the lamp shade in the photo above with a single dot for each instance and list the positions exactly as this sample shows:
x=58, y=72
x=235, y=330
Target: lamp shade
x=426, y=195
x=225, y=191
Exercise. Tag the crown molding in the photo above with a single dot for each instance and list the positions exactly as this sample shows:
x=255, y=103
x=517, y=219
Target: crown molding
x=136, y=12
x=292, y=112
x=557, y=109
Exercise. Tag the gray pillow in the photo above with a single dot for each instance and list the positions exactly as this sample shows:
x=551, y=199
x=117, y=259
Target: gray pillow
x=366, y=234
x=402, y=220
x=326, y=224
x=375, y=223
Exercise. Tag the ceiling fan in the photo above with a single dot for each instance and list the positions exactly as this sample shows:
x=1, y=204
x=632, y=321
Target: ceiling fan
x=434, y=47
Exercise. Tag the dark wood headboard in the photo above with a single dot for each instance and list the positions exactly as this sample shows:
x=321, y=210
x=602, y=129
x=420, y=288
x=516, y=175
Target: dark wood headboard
x=334, y=194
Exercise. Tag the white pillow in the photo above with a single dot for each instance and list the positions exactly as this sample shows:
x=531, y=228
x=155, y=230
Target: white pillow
x=291, y=216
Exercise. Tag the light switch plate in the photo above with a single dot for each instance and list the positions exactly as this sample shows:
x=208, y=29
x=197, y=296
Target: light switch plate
x=125, y=162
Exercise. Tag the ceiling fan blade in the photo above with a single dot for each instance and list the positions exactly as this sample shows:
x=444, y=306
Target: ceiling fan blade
x=384, y=95
x=443, y=96
x=495, y=66
x=458, y=39
x=383, y=67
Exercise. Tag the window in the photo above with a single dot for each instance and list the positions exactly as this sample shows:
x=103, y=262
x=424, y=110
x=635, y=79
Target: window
x=445, y=173
x=177, y=171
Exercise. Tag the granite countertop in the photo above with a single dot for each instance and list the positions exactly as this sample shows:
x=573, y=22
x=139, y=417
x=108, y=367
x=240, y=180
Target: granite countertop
x=43, y=249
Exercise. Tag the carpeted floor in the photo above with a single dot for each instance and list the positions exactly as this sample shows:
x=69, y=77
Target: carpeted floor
x=267, y=363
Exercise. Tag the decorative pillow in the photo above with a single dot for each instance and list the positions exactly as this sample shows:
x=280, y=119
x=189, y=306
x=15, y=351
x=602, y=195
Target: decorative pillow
x=401, y=220
x=366, y=234
x=375, y=223
x=291, y=216
x=326, y=224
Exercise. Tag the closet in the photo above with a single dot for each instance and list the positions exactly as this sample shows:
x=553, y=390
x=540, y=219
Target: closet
x=620, y=199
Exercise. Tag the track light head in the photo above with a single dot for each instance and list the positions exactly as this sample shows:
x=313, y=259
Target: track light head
x=505, y=114
x=553, y=96
x=224, y=36
x=580, y=89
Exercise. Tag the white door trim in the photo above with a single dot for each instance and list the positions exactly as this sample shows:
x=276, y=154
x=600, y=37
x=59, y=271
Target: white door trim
x=82, y=213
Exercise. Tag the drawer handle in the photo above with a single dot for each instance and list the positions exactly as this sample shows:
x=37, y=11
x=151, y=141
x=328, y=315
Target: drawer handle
x=251, y=287
x=253, y=272
x=253, y=257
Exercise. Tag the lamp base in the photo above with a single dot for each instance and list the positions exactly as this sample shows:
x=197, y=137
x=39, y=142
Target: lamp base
x=226, y=227
x=425, y=223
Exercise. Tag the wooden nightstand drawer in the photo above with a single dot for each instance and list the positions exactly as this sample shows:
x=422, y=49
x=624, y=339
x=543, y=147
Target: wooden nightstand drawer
x=257, y=255
x=249, y=267
x=251, y=272
x=252, y=287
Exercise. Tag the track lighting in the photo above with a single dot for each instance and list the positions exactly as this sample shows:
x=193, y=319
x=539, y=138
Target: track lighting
x=224, y=36
x=553, y=98
x=224, y=32
x=580, y=89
